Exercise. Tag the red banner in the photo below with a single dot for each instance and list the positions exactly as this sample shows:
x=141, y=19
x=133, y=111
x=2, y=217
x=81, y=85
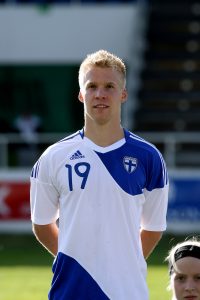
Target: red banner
x=14, y=200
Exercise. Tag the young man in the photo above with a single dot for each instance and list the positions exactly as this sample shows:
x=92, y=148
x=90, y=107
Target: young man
x=108, y=187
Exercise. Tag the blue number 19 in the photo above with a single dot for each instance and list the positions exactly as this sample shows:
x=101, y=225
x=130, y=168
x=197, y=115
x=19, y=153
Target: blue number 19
x=81, y=173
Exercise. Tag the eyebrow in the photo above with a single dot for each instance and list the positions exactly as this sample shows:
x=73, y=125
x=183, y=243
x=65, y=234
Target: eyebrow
x=185, y=274
x=106, y=83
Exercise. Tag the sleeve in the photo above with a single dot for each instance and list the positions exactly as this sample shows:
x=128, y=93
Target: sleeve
x=156, y=195
x=43, y=195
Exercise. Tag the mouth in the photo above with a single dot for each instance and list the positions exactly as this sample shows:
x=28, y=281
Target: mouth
x=101, y=106
x=190, y=297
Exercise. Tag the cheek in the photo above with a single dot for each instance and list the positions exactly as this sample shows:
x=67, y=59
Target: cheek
x=198, y=287
x=177, y=288
x=87, y=106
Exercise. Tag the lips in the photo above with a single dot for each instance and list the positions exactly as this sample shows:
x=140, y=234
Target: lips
x=101, y=106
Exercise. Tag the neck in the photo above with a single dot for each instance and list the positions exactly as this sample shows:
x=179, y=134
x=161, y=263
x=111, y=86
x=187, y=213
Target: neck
x=103, y=135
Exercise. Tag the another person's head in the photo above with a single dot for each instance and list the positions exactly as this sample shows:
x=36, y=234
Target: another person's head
x=102, y=81
x=184, y=270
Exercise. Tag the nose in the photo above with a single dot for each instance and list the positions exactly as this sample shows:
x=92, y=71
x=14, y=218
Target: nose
x=100, y=93
x=190, y=285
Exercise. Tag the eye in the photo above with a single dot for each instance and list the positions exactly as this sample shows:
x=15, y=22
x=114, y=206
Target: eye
x=91, y=86
x=197, y=277
x=180, y=278
x=110, y=86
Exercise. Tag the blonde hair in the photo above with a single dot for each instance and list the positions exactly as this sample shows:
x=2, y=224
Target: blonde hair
x=102, y=59
x=172, y=261
x=171, y=255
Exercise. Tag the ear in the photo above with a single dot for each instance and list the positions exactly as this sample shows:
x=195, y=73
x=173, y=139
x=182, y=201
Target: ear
x=80, y=97
x=124, y=95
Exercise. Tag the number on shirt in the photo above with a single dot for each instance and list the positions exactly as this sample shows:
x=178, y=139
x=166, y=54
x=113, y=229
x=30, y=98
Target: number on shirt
x=81, y=169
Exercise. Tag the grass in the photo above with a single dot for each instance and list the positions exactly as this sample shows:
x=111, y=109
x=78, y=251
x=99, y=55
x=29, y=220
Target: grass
x=24, y=283
x=157, y=282
x=25, y=268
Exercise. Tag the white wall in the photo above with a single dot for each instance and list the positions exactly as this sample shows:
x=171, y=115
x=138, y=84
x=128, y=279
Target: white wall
x=66, y=33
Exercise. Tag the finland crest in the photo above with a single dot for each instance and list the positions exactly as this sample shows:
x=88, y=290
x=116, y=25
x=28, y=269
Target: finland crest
x=130, y=163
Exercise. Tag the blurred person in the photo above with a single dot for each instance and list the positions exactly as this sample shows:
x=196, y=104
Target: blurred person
x=109, y=189
x=184, y=270
x=28, y=125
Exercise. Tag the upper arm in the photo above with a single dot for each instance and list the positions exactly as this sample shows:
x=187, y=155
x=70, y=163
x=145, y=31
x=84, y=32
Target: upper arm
x=155, y=193
x=44, y=196
x=42, y=231
x=155, y=209
x=149, y=240
x=47, y=235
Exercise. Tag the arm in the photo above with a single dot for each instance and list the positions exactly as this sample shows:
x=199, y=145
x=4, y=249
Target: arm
x=149, y=241
x=47, y=235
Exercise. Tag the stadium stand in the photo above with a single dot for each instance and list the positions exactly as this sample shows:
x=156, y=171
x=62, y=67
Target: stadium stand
x=168, y=98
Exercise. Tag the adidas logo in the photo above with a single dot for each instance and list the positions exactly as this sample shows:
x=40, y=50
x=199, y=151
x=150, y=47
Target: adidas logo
x=77, y=155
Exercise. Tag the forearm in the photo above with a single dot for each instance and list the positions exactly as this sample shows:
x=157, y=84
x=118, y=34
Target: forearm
x=47, y=235
x=149, y=241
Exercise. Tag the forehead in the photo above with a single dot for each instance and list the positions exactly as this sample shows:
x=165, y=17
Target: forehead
x=188, y=265
x=95, y=74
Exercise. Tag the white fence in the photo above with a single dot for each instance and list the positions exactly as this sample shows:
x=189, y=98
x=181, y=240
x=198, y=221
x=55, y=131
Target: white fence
x=179, y=149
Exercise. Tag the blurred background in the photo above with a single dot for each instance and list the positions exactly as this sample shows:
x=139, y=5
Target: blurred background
x=42, y=43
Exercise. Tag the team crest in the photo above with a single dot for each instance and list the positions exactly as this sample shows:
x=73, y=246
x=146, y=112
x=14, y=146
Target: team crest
x=130, y=164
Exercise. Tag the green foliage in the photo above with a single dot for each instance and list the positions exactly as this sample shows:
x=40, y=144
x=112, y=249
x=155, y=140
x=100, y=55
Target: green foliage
x=25, y=268
x=22, y=250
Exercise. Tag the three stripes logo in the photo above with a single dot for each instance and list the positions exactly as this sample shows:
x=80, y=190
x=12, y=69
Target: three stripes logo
x=77, y=155
x=35, y=169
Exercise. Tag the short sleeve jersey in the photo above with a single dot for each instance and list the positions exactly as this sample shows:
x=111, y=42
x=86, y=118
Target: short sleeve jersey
x=102, y=197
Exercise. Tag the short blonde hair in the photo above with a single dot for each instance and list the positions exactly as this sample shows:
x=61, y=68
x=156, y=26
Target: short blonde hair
x=102, y=59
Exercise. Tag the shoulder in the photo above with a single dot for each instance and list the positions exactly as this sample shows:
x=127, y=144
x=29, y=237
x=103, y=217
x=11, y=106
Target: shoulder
x=146, y=152
x=60, y=148
x=140, y=143
x=151, y=159
x=76, y=136
x=51, y=158
x=63, y=144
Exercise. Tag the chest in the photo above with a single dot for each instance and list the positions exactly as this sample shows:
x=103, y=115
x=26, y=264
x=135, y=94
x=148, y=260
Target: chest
x=116, y=170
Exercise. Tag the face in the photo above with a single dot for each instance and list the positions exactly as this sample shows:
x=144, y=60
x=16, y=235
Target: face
x=186, y=282
x=102, y=93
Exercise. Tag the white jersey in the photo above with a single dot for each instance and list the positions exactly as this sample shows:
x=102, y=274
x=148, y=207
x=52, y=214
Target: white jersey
x=102, y=196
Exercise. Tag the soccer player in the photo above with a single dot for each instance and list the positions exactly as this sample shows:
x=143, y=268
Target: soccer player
x=109, y=190
x=184, y=270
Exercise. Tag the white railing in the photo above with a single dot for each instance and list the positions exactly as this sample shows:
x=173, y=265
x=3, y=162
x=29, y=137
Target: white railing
x=13, y=139
x=170, y=145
